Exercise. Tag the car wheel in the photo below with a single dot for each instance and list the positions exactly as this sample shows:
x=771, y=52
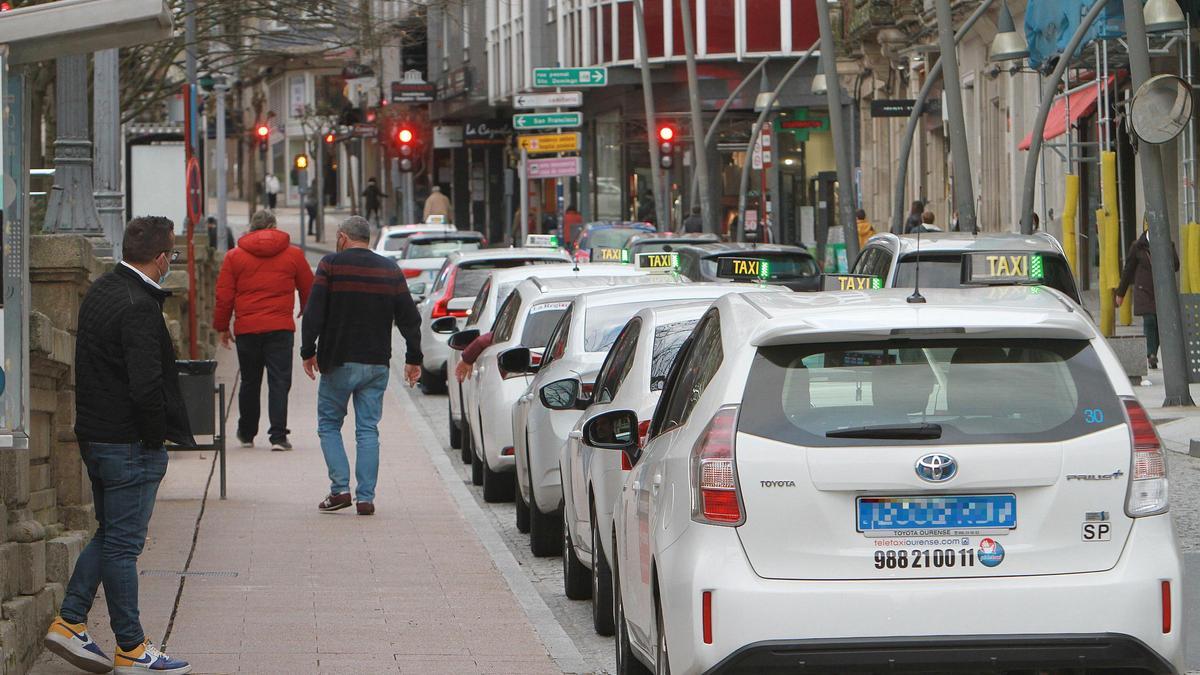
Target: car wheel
x=431, y=382
x=627, y=662
x=456, y=436
x=576, y=579
x=497, y=486
x=544, y=534
x=522, y=513
x=468, y=443
x=602, y=586
x=476, y=467
x=662, y=662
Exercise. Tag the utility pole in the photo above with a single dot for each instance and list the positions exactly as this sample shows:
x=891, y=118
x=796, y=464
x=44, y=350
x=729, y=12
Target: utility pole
x=699, y=138
x=72, y=205
x=656, y=182
x=845, y=173
x=221, y=87
x=964, y=192
x=319, y=173
x=189, y=29
x=106, y=126
x=1166, y=289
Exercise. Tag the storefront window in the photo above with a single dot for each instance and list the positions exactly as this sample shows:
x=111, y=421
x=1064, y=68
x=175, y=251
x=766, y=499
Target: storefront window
x=608, y=166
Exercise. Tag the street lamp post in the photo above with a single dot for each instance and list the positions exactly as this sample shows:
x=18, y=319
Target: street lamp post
x=964, y=192
x=699, y=146
x=845, y=171
x=656, y=181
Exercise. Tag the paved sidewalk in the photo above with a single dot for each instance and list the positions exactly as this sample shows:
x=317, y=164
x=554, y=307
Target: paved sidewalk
x=276, y=586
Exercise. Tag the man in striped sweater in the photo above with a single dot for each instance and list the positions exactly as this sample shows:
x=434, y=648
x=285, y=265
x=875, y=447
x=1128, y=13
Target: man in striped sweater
x=347, y=337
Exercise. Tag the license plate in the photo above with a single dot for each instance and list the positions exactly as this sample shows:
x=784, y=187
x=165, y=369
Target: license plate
x=941, y=515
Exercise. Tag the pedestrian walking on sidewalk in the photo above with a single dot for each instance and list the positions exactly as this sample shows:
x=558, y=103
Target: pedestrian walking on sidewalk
x=1139, y=273
x=372, y=197
x=127, y=404
x=347, y=337
x=257, y=286
x=271, y=183
x=437, y=204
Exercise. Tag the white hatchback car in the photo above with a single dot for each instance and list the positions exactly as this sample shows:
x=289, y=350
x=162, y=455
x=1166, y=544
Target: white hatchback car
x=851, y=479
x=391, y=239
x=453, y=292
x=480, y=312
x=525, y=319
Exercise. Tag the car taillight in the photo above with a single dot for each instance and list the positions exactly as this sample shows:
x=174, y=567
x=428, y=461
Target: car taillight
x=441, y=307
x=643, y=430
x=585, y=390
x=410, y=273
x=1148, y=474
x=535, y=358
x=716, y=500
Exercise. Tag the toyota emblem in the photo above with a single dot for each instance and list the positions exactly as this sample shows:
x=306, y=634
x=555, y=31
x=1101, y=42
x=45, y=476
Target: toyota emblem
x=936, y=467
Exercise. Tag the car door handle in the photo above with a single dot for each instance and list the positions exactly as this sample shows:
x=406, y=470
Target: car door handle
x=656, y=483
x=575, y=434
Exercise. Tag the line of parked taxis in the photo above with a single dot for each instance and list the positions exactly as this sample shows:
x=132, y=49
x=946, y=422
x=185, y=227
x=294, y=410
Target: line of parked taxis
x=934, y=463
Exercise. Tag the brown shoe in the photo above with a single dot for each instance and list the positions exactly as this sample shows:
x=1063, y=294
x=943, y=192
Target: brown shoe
x=365, y=508
x=335, y=502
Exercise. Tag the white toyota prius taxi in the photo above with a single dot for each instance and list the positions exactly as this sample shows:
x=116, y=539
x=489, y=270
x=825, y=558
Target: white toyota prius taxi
x=853, y=481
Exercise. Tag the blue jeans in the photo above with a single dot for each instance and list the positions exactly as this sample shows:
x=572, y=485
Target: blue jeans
x=125, y=478
x=366, y=383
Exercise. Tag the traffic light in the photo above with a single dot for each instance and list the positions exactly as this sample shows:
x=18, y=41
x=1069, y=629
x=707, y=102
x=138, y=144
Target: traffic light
x=263, y=133
x=405, y=140
x=300, y=161
x=666, y=145
x=330, y=138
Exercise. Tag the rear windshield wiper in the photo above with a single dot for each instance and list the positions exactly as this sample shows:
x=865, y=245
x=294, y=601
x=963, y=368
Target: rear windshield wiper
x=915, y=431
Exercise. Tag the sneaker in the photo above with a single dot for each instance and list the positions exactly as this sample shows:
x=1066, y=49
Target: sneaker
x=1153, y=362
x=246, y=442
x=335, y=502
x=281, y=445
x=365, y=508
x=147, y=658
x=72, y=642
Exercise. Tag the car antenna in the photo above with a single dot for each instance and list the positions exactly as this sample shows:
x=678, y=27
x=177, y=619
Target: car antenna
x=916, y=297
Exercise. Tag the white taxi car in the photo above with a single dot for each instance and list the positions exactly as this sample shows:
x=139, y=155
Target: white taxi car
x=526, y=319
x=452, y=293
x=481, y=312
x=853, y=479
x=392, y=238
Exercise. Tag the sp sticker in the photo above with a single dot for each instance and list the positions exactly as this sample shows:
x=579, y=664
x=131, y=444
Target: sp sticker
x=990, y=552
x=1097, y=531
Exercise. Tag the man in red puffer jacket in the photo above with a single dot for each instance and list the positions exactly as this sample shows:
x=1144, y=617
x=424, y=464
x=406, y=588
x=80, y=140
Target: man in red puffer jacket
x=257, y=286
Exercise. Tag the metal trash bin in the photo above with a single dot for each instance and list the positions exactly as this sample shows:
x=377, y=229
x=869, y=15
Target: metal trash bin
x=197, y=383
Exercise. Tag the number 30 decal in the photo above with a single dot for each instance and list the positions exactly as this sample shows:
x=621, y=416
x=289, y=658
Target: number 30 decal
x=1093, y=416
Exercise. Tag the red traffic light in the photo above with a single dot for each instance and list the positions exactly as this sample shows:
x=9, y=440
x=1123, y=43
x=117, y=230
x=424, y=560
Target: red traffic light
x=666, y=133
x=329, y=137
x=263, y=131
x=405, y=135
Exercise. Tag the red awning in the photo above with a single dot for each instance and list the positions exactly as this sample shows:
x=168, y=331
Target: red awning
x=1083, y=103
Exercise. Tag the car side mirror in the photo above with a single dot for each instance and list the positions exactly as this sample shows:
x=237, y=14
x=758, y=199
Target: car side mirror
x=447, y=325
x=417, y=288
x=460, y=340
x=614, y=430
x=561, y=394
x=516, y=360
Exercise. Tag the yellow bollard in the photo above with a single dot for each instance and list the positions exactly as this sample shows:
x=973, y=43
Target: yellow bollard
x=1107, y=318
x=1108, y=223
x=1193, y=256
x=1070, y=204
x=1185, y=261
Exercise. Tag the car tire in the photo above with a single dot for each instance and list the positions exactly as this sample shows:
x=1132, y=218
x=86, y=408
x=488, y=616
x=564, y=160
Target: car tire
x=602, y=586
x=456, y=435
x=627, y=661
x=662, y=660
x=476, y=468
x=544, y=535
x=522, y=513
x=497, y=486
x=577, y=582
x=432, y=382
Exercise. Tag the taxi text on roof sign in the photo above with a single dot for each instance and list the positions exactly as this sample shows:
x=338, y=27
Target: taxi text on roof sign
x=743, y=268
x=1000, y=267
x=607, y=254
x=664, y=262
x=541, y=241
x=851, y=282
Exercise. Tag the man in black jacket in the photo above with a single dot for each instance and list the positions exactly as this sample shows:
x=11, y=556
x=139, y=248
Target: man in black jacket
x=127, y=404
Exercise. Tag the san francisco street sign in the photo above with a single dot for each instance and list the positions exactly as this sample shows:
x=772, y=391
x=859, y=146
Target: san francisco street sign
x=570, y=77
x=558, y=99
x=543, y=143
x=553, y=167
x=548, y=120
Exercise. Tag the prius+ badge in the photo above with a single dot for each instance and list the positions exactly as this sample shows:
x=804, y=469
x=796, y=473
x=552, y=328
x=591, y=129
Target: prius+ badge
x=936, y=467
x=1096, y=476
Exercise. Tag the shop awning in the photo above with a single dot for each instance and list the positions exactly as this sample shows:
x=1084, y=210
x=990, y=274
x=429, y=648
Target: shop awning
x=1082, y=103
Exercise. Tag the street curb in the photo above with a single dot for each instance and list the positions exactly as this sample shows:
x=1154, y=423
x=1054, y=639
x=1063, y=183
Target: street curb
x=556, y=641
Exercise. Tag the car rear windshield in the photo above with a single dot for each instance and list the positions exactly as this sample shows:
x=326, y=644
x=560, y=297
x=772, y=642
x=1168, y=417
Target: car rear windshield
x=668, y=338
x=602, y=325
x=612, y=237
x=945, y=271
x=946, y=391
x=440, y=248
x=395, y=242
x=784, y=266
x=540, y=323
x=470, y=276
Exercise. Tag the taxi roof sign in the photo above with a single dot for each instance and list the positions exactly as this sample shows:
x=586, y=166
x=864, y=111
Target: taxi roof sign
x=609, y=254
x=851, y=282
x=435, y=220
x=658, y=262
x=1003, y=267
x=541, y=241
x=745, y=269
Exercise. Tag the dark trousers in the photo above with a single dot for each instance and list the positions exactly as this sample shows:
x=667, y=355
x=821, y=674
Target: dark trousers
x=1150, y=328
x=125, y=479
x=274, y=352
x=272, y=199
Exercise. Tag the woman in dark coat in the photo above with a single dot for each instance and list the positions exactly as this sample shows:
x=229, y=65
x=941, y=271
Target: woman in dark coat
x=1140, y=275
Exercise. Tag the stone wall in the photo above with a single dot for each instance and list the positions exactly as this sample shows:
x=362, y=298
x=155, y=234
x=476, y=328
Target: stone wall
x=46, y=513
